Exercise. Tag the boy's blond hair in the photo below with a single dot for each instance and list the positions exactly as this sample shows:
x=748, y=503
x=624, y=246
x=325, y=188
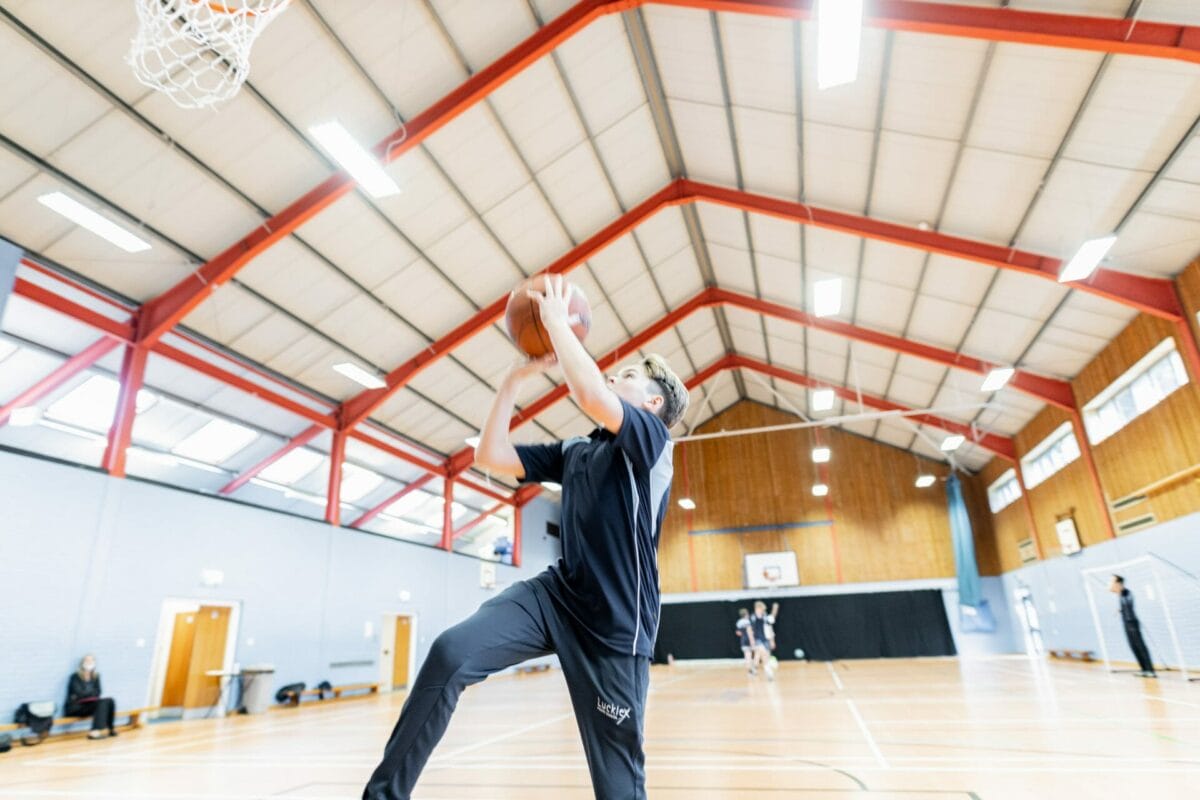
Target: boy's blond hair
x=674, y=393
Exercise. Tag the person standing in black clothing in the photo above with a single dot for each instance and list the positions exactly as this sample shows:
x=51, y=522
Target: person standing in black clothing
x=84, y=700
x=598, y=607
x=1133, y=628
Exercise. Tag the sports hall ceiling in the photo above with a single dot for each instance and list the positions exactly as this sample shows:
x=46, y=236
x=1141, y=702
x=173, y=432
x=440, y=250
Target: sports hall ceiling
x=734, y=184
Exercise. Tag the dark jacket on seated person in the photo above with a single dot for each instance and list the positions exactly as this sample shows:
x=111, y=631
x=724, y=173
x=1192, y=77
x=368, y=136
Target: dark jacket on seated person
x=84, y=697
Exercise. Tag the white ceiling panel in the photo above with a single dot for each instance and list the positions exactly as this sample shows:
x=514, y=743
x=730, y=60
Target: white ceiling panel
x=703, y=133
x=579, y=191
x=769, y=152
x=1139, y=112
x=295, y=279
x=679, y=277
x=633, y=156
x=536, y=110
x=955, y=279
x=759, y=61
x=990, y=194
x=1156, y=244
x=892, y=265
x=366, y=327
x=882, y=307
x=527, y=228
x=478, y=158
x=931, y=80
x=426, y=209
x=686, y=54
x=426, y=299
x=780, y=280
x=911, y=177
x=602, y=72
x=354, y=237
x=1000, y=337
x=837, y=166
x=938, y=321
x=485, y=33
x=1025, y=295
x=471, y=258
x=1080, y=202
x=732, y=267
x=1031, y=96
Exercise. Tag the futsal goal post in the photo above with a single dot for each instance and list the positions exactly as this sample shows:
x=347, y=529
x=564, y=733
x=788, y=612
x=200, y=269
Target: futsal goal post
x=1166, y=598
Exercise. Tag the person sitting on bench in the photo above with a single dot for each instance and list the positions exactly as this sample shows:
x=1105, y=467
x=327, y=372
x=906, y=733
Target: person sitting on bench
x=84, y=700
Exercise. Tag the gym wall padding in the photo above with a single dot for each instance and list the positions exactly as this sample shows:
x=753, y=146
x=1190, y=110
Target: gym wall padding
x=827, y=627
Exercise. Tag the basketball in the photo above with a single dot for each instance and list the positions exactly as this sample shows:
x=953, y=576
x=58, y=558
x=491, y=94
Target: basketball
x=524, y=322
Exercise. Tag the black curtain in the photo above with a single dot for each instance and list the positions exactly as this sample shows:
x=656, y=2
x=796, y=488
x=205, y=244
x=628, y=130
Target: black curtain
x=826, y=627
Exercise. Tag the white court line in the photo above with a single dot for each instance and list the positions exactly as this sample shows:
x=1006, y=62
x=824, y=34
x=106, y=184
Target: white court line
x=879, y=759
x=500, y=738
x=833, y=674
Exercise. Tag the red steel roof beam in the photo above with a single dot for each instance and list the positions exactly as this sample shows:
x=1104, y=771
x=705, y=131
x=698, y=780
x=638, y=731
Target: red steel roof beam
x=476, y=522
x=379, y=509
x=133, y=371
x=299, y=440
x=60, y=375
x=1098, y=34
x=1154, y=296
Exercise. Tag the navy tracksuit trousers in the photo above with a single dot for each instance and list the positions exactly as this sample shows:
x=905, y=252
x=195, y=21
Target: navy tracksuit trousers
x=608, y=691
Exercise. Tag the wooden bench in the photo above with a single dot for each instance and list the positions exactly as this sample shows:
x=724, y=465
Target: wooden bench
x=1073, y=655
x=337, y=692
x=133, y=716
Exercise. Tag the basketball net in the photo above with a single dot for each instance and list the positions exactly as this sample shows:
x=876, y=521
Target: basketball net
x=196, y=52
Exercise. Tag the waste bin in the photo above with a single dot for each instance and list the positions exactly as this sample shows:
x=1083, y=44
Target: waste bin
x=256, y=687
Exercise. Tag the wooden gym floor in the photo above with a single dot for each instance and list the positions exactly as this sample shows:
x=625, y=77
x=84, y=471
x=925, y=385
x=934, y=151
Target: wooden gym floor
x=924, y=729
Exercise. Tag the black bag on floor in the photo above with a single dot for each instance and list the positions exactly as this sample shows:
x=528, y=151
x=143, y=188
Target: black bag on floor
x=324, y=686
x=5, y=743
x=284, y=695
x=38, y=717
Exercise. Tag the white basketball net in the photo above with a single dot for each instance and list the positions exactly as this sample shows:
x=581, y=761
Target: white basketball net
x=197, y=52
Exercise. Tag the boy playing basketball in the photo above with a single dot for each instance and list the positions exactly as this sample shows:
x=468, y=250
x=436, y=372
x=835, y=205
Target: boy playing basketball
x=598, y=608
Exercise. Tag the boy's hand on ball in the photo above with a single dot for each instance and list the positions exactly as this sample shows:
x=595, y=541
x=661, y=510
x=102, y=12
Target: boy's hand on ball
x=554, y=302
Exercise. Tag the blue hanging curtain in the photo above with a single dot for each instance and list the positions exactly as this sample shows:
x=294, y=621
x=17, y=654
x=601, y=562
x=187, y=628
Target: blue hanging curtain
x=970, y=594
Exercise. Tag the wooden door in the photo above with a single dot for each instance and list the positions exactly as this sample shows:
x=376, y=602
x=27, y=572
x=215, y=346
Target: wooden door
x=208, y=653
x=180, y=658
x=400, y=652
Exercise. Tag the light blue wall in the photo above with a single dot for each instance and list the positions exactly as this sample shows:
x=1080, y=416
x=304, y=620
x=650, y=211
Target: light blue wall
x=86, y=562
x=1057, y=587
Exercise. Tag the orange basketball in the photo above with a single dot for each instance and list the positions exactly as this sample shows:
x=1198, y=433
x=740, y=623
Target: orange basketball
x=525, y=323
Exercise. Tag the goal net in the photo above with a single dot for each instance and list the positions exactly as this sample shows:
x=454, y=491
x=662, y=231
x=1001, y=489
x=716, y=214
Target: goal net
x=1166, y=598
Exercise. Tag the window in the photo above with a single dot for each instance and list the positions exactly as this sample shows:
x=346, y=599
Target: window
x=1055, y=452
x=1004, y=492
x=92, y=404
x=357, y=482
x=215, y=441
x=1142, y=387
x=292, y=467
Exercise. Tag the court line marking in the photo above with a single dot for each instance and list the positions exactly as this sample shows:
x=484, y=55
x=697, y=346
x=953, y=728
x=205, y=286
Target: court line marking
x=500, y=738
x=833, y=674
x=879, y=759
x=1171, y=701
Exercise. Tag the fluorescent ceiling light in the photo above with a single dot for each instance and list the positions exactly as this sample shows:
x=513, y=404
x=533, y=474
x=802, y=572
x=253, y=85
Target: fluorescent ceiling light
x=839, y=34
x=24, y=416
x=360, y=375
x=1087, y=258
x=820, y=490
x=822, y=399
x=820, y=455
x=292, y=467
x=215, y=441
x=74, y=431
x=358, y=482
x=93, y=403
x=552, y=486
x=827, y=297
x=925, y=481
x=996, y=379
x=172, y=460
x=952, y=443
x=687, y=503
x=473, y=441
x=85, y=217
x=362, y=165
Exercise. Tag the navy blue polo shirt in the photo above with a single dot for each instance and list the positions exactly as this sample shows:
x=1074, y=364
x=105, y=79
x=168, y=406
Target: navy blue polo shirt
x=614, y=497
